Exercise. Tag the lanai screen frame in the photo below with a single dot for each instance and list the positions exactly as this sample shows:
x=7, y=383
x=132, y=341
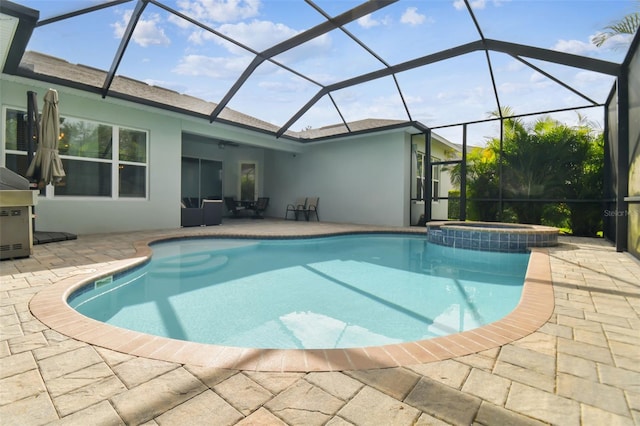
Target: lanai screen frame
x=617, y=146
x=622, y=147
x=520, y=52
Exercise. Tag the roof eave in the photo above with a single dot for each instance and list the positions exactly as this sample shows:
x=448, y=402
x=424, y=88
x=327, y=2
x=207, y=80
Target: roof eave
x=406, y=125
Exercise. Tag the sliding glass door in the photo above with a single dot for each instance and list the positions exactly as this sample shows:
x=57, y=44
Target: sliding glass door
x=201, y=179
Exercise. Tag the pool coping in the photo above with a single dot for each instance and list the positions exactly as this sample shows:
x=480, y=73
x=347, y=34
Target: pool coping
x=49, y=306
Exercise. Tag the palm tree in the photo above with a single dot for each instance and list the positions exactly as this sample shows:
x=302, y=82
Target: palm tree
x=542, y=160
x=629, y=24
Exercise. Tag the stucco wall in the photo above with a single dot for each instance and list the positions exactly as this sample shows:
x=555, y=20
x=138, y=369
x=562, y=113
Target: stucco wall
x=360, y=180
x=85, y=215
x=363, y=180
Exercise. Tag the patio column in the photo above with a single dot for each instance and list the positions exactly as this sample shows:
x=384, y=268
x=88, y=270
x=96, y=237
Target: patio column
x=463, y=176
x=622, y=186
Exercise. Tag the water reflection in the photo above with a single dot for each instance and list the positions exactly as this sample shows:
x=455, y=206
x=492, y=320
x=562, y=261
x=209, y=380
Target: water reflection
x=312, y=293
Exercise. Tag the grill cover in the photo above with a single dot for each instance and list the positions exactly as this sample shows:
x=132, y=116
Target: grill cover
x=11, y=180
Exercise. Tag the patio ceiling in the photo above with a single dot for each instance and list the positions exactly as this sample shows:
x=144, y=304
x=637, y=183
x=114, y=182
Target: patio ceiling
x=303, y=65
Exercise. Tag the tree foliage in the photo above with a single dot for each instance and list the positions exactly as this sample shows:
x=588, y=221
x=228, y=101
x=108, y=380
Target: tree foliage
x=629, y=24
x=543, y=161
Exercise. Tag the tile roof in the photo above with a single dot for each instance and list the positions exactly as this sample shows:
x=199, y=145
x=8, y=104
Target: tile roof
x=40, y=65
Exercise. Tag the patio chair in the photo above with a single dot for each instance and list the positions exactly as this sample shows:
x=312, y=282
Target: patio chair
x=311, y=208
x=233, y=207
x=296, y=208
x=260, y=207
x=212, y=212
x=190, y=216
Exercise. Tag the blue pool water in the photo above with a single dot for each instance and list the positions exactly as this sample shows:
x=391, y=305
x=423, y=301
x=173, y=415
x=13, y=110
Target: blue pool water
x=332, y=292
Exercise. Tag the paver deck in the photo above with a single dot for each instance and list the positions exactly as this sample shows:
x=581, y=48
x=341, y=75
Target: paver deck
x=581, y=366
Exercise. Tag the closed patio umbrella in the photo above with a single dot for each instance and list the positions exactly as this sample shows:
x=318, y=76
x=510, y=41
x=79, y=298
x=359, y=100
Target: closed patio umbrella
x=46, y=166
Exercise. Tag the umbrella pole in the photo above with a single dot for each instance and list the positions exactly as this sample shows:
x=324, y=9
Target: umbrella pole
x=32, y=135
x=32, y=123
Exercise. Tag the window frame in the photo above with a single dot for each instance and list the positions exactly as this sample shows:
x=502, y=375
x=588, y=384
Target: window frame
x=255, y=179
x=115, y=162
x=435, y=179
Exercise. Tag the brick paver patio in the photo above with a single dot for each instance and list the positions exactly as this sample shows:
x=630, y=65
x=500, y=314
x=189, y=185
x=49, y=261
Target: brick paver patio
x=582, y=367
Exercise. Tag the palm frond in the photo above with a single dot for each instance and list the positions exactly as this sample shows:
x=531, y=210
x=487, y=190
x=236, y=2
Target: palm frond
x=627, y=25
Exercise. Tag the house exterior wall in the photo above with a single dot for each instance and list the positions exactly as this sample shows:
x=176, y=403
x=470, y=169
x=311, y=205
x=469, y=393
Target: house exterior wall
x=161, y=209
x=362, y=180
x=99, y=214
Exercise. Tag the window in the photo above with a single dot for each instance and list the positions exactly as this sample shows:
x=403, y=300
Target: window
x=132, y=167
x=100, y=160
x=420, y=175
x=248, y=181
x=435, y=180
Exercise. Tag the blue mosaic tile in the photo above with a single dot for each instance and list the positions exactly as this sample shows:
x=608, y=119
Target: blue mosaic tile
x=484, y=240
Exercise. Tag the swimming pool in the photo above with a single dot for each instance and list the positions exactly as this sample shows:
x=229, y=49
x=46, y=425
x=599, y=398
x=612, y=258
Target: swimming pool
x=312, y=293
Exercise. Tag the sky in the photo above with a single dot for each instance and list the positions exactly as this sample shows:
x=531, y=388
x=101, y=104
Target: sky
x=173, y=53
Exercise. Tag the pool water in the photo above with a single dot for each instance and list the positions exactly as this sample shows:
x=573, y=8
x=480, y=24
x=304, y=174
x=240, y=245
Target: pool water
x=331, y=292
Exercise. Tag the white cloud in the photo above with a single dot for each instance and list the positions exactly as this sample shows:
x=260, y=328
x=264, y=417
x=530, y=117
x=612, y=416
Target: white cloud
x=147, y=32
x=475, y=4
x=199, y=37
x=259, y=35
x=514, y=66
x=368, y=22
x=510, y=87
x=218, y=11
x=256, y=34
x=616, y=42
x=588, y=78
x=412, y=17
x=413, y=100
x=387, y=107
x=594, y=85
x=324, y=77
x=200, y=65
x=536, y=77
x=575, y=47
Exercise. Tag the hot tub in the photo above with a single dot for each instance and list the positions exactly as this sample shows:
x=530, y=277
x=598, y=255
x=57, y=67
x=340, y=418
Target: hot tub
x=491, y=236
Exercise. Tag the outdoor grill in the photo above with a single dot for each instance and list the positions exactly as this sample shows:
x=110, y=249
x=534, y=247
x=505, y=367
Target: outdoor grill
x=16, y=214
